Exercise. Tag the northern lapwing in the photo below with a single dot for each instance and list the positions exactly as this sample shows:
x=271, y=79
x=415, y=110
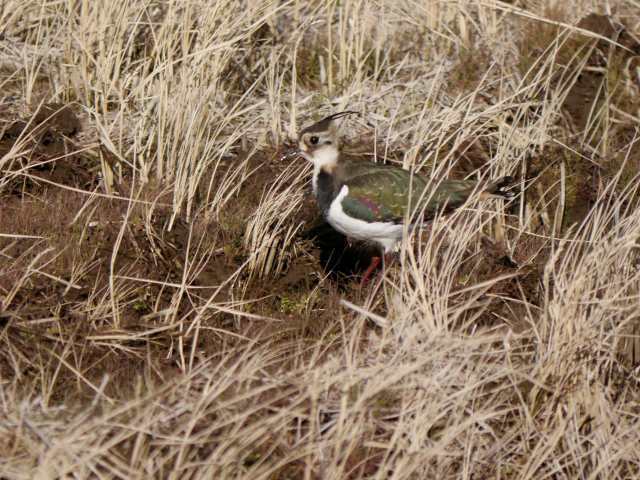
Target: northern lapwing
x=371, y=201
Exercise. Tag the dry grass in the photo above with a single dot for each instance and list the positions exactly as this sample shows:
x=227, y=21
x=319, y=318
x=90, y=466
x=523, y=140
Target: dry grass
x=170, y=306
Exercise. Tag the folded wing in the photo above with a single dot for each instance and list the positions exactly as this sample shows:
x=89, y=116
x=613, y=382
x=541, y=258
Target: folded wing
x=380, y=193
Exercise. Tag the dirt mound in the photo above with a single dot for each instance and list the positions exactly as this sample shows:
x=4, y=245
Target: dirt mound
x=47, y=129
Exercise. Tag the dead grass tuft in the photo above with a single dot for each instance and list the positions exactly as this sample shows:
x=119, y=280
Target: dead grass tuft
x=172, y=306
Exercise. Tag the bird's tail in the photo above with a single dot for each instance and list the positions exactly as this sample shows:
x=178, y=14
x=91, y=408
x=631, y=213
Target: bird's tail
x=496, y=189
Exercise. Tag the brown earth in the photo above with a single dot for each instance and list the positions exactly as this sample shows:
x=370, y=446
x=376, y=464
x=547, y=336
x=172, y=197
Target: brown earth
x=86, y=230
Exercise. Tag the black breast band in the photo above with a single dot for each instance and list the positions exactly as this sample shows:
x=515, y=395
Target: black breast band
x=325, y=191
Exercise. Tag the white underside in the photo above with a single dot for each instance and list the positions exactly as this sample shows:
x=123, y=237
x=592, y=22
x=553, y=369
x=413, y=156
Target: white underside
x=386, y=234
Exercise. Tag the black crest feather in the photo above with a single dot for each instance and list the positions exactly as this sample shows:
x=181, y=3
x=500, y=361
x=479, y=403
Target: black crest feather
x=323, y=125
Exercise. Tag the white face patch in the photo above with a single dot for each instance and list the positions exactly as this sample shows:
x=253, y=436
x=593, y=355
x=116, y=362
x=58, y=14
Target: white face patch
x=325, y=156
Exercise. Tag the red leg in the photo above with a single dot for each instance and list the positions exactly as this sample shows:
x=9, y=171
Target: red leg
x=375, y=261
x=389, y=257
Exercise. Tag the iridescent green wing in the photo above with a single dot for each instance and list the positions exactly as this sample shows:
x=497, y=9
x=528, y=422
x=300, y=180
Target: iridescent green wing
x=379, y=193
x=383, y=193
x=450, y=194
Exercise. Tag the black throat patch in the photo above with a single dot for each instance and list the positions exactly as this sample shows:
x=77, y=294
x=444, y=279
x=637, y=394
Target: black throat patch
x=325, y=190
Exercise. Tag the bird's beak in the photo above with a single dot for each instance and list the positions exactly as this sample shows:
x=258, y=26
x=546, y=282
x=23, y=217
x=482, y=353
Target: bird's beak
x=289, y=154
x=294, y=149
x=291, y=149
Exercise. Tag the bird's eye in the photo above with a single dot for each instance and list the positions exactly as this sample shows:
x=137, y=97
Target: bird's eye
x=314, y=140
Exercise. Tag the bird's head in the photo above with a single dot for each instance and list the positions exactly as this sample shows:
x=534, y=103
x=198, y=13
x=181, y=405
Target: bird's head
x=318, y=143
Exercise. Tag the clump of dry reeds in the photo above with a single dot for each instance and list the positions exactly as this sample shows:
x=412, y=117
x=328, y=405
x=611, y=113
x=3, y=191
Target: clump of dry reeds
x=158, y=313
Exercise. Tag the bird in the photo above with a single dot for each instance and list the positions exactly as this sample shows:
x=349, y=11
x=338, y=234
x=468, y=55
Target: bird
x=372, y=201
